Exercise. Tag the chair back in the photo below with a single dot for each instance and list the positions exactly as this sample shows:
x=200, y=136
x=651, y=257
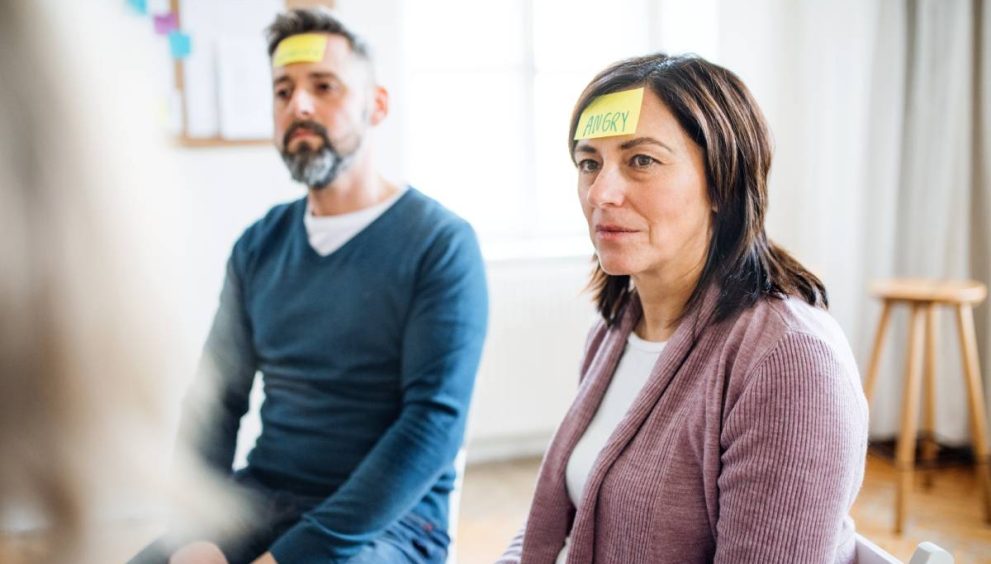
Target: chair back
x=925, y=553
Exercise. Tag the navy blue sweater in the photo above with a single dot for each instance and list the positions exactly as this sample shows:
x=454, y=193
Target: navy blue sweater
x=368, y=358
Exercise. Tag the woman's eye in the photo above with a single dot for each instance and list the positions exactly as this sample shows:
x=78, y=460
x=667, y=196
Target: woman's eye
x=587, y=165
x=642, y=161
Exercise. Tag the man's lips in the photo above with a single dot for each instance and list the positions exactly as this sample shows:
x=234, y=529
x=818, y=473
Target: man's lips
x=303, y=133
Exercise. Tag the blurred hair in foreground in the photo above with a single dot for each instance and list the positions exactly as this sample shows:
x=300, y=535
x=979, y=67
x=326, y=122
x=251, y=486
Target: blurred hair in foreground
x=85, y=244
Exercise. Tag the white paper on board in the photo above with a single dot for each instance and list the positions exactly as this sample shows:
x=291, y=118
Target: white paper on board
x=244, y=88
x=199, y=18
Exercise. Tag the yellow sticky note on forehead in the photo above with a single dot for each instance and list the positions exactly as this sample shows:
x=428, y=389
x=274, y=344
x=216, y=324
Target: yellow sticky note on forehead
x=303, y=48
x=611, y=114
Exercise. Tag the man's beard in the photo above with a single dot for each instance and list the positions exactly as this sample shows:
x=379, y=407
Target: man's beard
x=316, y=168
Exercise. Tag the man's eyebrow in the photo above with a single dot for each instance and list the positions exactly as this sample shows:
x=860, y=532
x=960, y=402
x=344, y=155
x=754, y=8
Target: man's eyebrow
x=644, y=141
x=323, y=74
x=281, y=80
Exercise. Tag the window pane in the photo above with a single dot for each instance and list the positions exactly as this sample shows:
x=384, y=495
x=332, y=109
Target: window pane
x=556, y=179
x=688, y=27
x=467, y=144
x=587, y=35
x=473, y=36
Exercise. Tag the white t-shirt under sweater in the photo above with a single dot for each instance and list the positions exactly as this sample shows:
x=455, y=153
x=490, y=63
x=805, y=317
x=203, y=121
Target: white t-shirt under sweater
x=327, y=233
x=632, y=372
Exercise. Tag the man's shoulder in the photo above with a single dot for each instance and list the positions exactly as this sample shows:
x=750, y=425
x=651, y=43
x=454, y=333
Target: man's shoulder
x=275, y=223
x=428, y=220
x=423, y=210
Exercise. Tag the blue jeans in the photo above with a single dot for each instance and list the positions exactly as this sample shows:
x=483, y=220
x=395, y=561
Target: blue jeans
x=410, y=540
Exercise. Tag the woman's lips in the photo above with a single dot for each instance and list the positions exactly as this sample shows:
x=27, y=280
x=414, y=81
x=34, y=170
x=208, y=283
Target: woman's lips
x=612, y=232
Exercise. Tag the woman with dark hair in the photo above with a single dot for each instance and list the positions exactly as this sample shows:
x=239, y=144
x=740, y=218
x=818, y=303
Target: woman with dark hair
x=720, y=415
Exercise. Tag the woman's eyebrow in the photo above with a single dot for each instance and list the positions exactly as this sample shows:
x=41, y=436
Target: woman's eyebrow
x=585, y=148
x=644, y=141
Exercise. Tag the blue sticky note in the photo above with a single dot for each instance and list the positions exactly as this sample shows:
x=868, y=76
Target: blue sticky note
x=139, y=6
x=180, y=44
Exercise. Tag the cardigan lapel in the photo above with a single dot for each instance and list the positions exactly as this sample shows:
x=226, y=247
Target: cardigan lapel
x=681, y=344
x=551, y=512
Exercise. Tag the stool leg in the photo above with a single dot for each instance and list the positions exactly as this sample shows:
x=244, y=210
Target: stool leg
x=975, y=395
x=874, y=366
x=905, y=452
x=928, y=436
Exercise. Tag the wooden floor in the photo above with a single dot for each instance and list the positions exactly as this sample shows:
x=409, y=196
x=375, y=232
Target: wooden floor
x=496, y=498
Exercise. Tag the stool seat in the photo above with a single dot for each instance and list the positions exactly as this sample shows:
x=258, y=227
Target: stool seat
x=928, y=290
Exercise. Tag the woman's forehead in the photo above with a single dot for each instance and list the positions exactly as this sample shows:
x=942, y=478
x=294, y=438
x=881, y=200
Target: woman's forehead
x=657, y=126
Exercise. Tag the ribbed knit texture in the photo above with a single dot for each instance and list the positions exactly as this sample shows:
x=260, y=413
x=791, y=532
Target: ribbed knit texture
x=747, y=444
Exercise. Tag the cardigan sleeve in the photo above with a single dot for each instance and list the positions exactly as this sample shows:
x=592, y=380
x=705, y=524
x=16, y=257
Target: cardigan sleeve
x=793, y=449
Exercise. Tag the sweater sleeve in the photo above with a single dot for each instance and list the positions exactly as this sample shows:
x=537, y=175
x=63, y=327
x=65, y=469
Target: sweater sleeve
x=219, y=395
x=793, y=450
x=441, y=347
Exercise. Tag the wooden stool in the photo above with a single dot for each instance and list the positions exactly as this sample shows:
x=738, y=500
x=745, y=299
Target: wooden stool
x=923, y=296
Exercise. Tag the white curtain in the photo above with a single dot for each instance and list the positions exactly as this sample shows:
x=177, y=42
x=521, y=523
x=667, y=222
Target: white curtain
x=880, y=112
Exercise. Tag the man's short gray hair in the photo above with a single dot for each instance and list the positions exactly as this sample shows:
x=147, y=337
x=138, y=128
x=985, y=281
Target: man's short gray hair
x=313, y=20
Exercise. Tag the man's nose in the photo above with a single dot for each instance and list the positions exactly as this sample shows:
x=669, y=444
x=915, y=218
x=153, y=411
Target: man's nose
x=302, y=104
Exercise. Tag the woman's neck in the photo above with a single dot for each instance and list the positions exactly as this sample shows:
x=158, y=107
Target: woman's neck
x=663, y=300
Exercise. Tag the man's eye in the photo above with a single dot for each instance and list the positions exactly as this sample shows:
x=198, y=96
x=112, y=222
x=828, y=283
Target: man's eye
x=587, y=165
x=642, y=161
x=325, y=87
x=282, y=94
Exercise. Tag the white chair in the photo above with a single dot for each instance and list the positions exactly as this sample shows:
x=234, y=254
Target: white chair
x=454, y=505
x=925, y=553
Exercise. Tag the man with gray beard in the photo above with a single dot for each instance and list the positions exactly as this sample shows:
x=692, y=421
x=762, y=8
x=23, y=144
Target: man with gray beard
x=363, y=305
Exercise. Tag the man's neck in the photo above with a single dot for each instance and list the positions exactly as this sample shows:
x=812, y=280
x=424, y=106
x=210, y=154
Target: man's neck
x=358, y=188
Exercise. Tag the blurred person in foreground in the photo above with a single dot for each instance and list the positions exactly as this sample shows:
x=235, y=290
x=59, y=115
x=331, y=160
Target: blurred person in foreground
x=720, y=415
x=363, y=305
x=84, y=431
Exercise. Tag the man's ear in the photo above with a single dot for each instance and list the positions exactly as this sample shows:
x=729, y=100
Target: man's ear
x=380, y=105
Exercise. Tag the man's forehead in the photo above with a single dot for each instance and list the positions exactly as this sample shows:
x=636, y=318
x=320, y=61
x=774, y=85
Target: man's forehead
x=300, y=48
x=315, y=47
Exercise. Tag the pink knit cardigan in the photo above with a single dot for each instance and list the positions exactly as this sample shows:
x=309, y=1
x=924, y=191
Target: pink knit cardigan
x=746, y=444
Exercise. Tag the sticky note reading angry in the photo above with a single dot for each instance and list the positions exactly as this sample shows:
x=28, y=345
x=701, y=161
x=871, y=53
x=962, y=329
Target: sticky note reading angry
x=611, y=114
x=303, y=48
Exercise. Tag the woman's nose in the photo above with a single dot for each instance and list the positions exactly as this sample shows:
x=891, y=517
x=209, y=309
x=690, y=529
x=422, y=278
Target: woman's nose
x=607, y=189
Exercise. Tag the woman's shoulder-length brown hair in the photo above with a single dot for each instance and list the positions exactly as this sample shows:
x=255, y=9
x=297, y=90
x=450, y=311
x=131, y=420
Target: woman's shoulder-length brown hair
x=717, y=111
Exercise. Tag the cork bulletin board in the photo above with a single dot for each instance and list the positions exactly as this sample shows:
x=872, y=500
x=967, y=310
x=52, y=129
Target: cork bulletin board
x=220, y=69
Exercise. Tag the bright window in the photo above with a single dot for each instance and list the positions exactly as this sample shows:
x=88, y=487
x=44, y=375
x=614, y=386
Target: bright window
x=490, y=93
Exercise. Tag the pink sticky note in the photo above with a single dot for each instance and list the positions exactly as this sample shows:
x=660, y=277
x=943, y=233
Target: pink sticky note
x=166, y=23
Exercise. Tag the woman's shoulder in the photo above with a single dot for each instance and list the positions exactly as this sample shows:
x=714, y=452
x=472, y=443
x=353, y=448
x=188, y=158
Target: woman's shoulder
x=792, y=363
x=792, y=330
